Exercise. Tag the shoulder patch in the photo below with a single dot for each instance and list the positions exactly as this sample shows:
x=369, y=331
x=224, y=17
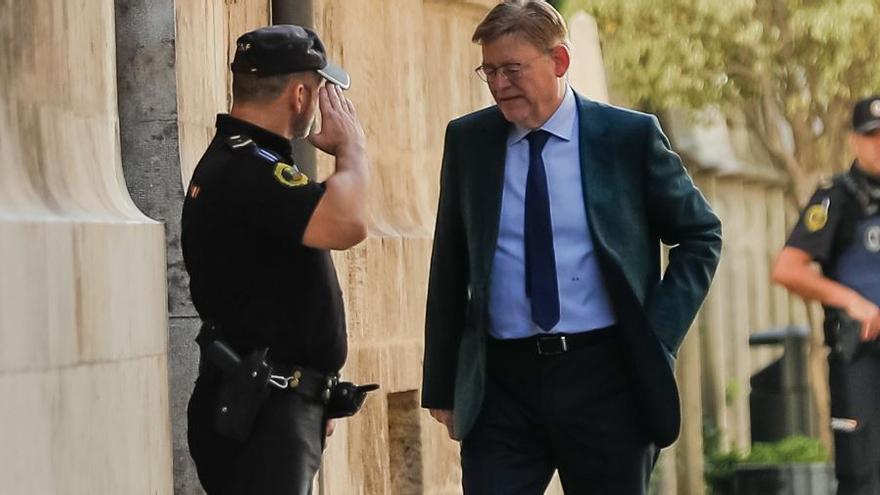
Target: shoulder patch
x=289, y=175
x=816, y=215
x=238, y=142
x=194, y=190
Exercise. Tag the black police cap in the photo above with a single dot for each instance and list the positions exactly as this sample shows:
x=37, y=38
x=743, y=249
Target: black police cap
x=283, y=49
x=866, y=115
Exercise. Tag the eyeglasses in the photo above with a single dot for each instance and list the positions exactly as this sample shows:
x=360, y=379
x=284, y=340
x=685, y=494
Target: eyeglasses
x=511, y=72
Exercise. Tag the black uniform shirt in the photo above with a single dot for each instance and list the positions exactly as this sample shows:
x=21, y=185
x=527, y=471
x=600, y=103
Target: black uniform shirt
x=837, y=229
x=245, y=213
x=822, y=222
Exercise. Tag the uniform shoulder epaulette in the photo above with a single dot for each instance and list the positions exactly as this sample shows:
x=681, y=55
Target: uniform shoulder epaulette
x=239, y=142
x=826, y=182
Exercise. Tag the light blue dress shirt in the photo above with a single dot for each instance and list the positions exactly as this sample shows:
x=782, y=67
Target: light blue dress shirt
x=583, y=299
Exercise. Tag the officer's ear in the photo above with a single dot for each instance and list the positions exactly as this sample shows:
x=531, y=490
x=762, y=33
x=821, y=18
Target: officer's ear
x=298, y=95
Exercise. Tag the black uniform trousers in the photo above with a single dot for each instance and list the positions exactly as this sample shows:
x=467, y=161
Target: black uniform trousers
x=855, y=395
x=280, y=457
x=573, y=412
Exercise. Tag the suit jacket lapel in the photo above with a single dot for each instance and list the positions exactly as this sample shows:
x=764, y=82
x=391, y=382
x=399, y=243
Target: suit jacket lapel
x=596, y=161
x=487, y=170
x=601, y=184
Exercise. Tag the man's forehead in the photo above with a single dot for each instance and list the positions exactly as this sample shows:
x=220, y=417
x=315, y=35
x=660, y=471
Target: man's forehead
x=507, y=50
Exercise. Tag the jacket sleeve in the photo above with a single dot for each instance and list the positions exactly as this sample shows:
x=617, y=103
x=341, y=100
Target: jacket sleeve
x=682, y=217
x=447, y=287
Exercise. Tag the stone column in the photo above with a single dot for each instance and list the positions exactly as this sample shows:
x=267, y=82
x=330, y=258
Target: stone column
x=82, y=292
x=147, y=86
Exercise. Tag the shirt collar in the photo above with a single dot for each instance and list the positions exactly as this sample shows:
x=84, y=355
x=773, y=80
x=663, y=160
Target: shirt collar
x=857, y=170
x=230, y=126
x=560, y=124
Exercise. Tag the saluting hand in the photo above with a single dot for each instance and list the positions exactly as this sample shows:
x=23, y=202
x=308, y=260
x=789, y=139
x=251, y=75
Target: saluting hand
x=341, y=131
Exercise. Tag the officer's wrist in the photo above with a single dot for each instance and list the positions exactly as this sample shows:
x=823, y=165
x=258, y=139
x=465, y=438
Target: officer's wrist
x=350, y=150
x=350, y=155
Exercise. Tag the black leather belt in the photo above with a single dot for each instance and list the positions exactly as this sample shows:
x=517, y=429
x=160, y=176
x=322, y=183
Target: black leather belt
x=552, y=344
x=307, y=382
x=310, y=383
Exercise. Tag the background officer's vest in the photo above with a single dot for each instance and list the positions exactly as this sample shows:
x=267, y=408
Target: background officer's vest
x=858, y=266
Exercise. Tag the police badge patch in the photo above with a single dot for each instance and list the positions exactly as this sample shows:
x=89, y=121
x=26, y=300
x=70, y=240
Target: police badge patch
x=289, y=176
x=816, y=216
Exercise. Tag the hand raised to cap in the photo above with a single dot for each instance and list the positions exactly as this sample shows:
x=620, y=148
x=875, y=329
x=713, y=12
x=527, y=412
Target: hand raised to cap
x=341, y=131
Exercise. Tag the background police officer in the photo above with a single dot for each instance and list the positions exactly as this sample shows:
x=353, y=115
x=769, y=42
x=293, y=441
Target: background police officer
x=256, y=235
x=840, y=229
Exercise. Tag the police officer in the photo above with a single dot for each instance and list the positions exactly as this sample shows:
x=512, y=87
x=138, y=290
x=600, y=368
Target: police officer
x=256, y=236
x=840, y=229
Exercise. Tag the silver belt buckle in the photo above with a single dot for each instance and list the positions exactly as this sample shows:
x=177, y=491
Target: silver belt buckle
x=560, y=339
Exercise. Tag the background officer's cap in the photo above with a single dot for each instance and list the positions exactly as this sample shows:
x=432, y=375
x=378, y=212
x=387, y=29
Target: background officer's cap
x=283, y=49
x=866, y=115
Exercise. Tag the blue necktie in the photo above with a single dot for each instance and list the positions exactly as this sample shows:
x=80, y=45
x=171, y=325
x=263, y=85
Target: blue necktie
x=541, y=284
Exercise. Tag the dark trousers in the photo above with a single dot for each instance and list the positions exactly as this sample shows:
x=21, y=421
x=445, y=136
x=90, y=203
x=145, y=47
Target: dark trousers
x=280, y=457
x=574, y=412
x=855, y=395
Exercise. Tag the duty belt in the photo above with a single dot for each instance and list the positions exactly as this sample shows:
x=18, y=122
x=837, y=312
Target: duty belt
x=310, y=383
x=219, y=358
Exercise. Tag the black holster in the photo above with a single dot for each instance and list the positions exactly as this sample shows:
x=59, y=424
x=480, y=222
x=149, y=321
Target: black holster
x=243, y=391
x=244, y=383
x=842, y=334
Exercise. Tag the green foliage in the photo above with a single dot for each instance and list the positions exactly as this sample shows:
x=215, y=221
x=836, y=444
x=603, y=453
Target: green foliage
x=731, y=391
x=693, y=53
x=799, y=61
x=791, y=449
x=559, y=5
x=720, y=466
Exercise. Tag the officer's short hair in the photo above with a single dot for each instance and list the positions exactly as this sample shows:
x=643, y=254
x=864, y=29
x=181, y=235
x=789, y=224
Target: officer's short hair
x=250, y=88
x=536, y=21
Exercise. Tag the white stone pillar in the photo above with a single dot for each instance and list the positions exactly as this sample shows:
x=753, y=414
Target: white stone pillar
x=82, y=272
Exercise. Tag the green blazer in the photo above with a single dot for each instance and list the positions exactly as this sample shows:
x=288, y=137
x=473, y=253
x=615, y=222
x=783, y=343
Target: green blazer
x=636, y=194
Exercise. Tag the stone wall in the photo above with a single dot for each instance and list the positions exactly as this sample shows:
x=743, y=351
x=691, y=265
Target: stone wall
x=82, y=272
x=411, y=68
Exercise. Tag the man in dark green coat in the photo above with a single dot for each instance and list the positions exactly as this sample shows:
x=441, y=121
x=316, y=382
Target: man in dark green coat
x=550, y=329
